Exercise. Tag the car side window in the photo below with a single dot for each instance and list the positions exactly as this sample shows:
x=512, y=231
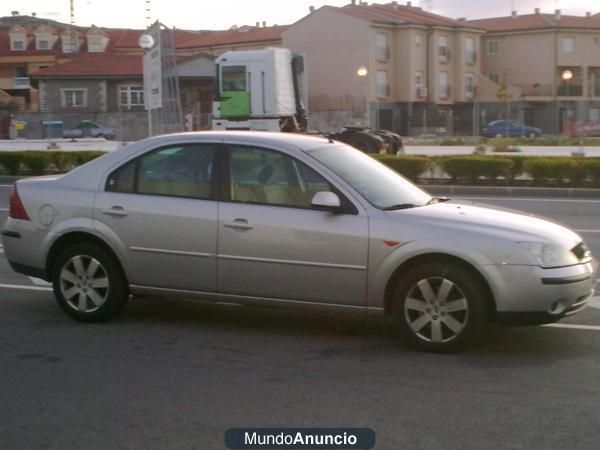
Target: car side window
x=177, y=171
x=272, y=178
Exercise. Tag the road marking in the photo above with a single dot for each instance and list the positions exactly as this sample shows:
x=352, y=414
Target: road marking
x=6, y=185
x=573, y=326
x=528, y=199
x=25, y=288
x=3, y=209
x=594, y=302
x=39, y=281
x=587, y=231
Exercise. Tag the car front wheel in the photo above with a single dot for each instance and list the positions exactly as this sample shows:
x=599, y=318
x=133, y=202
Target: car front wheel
x=439, y=307
x=88, y=283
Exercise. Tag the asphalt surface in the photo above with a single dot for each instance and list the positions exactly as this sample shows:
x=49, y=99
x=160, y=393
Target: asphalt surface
x=176, y=374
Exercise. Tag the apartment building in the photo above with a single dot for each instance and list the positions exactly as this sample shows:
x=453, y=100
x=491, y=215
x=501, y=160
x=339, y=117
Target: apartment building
x=421, y=73
x=551, y=63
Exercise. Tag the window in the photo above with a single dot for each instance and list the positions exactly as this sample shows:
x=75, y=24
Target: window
x=95, y=44
x=443, y=50
x=493, y=47
x=176, y=171
x=469, y=84
x=594, y=114
x=444, y=87
x=131, y=96
x=233, y=79
x=494, y=77
x=382, y=46
x=470, y=52
x=568, y=44
x=418, y=41
x=18, y=45
x=43, y=45
x=382, y=85
x=21, y=72
x=74, y=98
x=272, y=178
x=419, y=78
x=68, y=46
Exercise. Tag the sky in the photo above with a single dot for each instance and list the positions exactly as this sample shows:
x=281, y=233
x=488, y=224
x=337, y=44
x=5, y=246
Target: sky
x=222, y=14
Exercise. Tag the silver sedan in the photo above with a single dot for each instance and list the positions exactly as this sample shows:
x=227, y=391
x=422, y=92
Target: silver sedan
x=281, y=219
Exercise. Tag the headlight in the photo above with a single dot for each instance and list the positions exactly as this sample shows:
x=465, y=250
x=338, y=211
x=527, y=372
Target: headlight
x=550, y=255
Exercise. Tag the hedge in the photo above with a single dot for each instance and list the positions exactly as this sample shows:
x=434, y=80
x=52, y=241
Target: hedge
x=473, y=167
x=412, y=167
x=39, y=162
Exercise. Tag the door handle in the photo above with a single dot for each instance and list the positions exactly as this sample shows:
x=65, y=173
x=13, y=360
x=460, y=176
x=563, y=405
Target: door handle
x=117, y=211
x=238, y=224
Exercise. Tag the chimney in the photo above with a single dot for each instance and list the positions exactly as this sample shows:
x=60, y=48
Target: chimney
x=33, y=14
x=514, y=14
x=257, y=24
x=311, y=9
x=462, y=19
x=354, y=2
x=557, y=14
x=264, y=24
x=14, y=13
x=537, y=10
x=588, y=14
x=409, y=4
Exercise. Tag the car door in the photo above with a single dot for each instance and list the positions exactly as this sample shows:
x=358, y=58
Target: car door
x=162, y=208
x=273, y=244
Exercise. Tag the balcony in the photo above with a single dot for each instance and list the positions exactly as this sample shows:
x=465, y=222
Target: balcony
x=21, y=83
x=470, y=56
x=569, y=90
x=536, y=90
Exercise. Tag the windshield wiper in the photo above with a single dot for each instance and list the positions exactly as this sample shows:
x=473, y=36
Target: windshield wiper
x=437, y=200
x=399, y=206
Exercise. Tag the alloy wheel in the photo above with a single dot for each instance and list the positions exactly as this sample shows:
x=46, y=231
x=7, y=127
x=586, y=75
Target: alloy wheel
x=84, y=283
x=436, y=310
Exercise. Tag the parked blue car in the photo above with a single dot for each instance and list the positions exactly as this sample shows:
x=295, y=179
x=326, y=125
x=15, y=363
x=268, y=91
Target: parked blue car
x=504, y=128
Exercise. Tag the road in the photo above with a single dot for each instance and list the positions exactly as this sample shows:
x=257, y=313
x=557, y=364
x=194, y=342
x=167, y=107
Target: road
x=177, y=374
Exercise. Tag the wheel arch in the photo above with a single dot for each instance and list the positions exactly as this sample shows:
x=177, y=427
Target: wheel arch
x=426, y=258
x=78, y=237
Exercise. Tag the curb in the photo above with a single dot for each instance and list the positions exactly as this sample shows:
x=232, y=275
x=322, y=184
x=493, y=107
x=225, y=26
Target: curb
x=507, y=191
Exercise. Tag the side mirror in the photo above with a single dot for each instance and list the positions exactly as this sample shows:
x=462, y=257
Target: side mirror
x=326, y=201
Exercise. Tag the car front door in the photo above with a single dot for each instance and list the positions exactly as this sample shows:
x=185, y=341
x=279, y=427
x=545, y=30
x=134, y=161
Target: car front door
x=162, y=209
x=274, y=245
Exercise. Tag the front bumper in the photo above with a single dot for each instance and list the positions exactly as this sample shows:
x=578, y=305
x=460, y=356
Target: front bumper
x=533, y=295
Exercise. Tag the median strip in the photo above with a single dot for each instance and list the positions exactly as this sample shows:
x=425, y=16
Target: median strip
x=26, y=288
x=570, y=326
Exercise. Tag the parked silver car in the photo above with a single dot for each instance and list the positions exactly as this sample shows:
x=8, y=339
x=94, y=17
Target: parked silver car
x=260, y=218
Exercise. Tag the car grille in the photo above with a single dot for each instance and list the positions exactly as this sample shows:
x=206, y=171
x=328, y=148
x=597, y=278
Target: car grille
x=581, y=251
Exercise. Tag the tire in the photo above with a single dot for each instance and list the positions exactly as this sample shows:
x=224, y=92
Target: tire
x=455, y=318
x=88, y=283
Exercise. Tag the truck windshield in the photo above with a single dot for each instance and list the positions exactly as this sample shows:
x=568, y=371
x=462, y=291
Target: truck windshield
x=380, y=186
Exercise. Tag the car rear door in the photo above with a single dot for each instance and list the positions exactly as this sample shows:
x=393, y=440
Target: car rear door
x=162, y=209
x=274, y=245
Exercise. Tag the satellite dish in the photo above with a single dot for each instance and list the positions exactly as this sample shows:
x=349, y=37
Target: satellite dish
x=146, y=41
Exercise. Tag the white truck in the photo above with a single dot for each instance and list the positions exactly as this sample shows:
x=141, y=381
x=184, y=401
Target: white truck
x=265, y=90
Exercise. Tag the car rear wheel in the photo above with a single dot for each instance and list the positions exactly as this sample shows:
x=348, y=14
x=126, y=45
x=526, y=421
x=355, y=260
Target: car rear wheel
x=88, y=283
x=440, y=307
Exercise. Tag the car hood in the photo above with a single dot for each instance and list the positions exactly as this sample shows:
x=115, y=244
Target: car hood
x=482, y=219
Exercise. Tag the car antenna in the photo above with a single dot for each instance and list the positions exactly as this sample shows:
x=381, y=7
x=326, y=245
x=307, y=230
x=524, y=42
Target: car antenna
x=326, y=136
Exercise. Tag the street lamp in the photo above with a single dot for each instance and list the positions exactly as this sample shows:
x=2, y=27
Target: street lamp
x=566, y=76
x=146, y=42
x=362, y=73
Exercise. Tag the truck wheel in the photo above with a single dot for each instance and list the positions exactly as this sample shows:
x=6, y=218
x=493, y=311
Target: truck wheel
x=88, y=283
x=439, y=307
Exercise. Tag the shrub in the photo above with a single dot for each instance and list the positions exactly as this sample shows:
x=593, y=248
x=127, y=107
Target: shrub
x=11, y=162
x=471, y=168
x=593, y=169
x=517, y=168
x=557, y=169
x=36, y=162
x=59, y=160
x=82, y=157
x=501, y=144
x=412, y=167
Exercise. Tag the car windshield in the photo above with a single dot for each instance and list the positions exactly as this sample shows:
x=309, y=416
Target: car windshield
x=379, y=185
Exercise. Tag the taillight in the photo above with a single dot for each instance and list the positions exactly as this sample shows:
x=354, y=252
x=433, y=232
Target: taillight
x=16, y=208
